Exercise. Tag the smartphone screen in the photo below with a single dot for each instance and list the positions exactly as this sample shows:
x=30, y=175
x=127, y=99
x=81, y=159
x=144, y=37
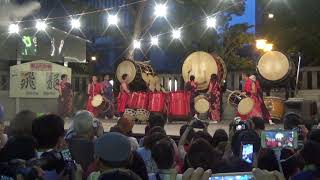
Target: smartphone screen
x=232, y=176
x=247, y=153
x=279, y=139
x=66, y=155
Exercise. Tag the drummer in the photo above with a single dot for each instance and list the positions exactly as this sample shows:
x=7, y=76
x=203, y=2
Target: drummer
x=107, y=90
x=123, y=96
x=191, y=86
x=94, y=88
x=214, y=90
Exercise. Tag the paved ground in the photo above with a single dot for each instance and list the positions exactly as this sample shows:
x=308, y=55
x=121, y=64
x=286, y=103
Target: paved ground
x=174, y=127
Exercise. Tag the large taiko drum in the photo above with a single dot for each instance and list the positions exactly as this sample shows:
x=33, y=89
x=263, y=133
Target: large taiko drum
x=241, y=102
x=179, y=104
x=157, y=102
x=138, y=73
x=138, y=100
x=275, y=67
x=275, y=107
x=202, y=65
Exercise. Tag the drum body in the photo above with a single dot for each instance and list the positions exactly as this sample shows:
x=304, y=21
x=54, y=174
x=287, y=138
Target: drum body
x=137, y=74
x=275, y=68
x=138, y=100
x=179, y=104
x=275, y=107
x=157, y=102
x=202, y=65
x=100, y=104
x=241, y=102
x=201, y=104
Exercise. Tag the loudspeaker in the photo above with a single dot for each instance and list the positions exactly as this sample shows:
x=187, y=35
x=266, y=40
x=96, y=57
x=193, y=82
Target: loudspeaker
x=307, y=109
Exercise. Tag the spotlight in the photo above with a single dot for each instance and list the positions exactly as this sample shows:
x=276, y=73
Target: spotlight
x=270, y=16
x=75, y=23
x=41, y=25
x=211, y=22
x=136, y=44
x=13, y=29
x=154, y=41
x=113, y=20
x=176, y=34
x=268, y=47
x=160, y=10
x=93, y=58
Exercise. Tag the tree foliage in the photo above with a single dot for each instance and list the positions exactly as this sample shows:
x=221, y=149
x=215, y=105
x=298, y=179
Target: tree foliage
x=295, y=28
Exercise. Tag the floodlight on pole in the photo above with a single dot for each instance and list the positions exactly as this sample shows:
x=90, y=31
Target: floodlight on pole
x=260, y=43
x=160, y=10
x=154, y=41
x=13, y=29
x=113, y=20
x=176, y=34
x=211, y=22
x=268, y=47
x=75, y=23
x=41, y=25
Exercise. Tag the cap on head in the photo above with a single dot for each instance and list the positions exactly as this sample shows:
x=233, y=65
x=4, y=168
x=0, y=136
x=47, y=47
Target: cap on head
x=112, y=147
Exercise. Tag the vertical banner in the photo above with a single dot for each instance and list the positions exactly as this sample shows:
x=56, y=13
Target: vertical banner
x=37, y=79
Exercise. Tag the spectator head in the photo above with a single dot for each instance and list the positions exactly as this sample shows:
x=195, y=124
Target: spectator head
x=201, y=154
x=190, y=135
x=83, y=123
x=119, y=174
x=156, y=120
x=22, y=123
x=291, y=120
x=153, y=138
x=48, y=130
x=309, y=155
x=125, y=125
x=247, y=136
x=192, y=78
x=258, y=124
x=220, y=135
x=64, y=77
x=163, y=154
x=267, y=160
x=315, y=135
x=157, y=129
x=202, y=135
x=113, y=150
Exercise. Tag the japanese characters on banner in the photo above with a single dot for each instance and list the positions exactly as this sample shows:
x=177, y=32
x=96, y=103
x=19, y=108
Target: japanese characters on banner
x=37, y=79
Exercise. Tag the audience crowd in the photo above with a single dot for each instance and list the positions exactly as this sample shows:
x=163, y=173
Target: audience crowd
x=39, y=147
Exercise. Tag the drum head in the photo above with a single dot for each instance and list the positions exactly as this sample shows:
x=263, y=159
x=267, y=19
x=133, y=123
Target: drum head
x=201, y=65
x=245, y=106
x=126, y=67
x=97, y=101
x=273, y=66
x=130, y=114
x=201, y=105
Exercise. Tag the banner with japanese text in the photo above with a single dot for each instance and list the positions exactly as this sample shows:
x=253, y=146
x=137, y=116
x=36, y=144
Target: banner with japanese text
x=37, y=79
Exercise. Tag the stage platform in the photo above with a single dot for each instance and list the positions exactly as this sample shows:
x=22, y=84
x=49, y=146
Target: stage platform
x=174, y=127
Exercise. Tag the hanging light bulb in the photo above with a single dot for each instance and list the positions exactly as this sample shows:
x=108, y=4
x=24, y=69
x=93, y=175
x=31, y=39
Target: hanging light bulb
x=154, y=41
x=160, y=10
x=136, y=44
x=211, y=22
x=13, y=29
x=75, y=23
x=113, y=20
x=41, y=25
x=176, y=34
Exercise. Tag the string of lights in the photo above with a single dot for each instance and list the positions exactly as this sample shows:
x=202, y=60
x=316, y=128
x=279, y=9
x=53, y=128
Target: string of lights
x=160, y=11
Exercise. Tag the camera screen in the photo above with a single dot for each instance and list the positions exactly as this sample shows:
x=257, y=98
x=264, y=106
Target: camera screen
x=232, y=176
x=247, y=153
x=279, y=139
x=66, y=155
x=240, y=127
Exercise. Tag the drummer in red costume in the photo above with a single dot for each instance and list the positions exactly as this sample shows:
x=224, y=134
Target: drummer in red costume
x=94, y=88
x=214, y=91
x=123, y=96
